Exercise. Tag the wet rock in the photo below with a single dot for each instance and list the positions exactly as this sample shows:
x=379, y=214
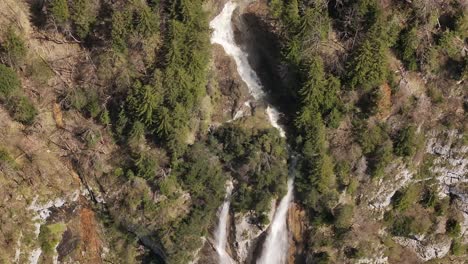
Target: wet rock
x=296, y=225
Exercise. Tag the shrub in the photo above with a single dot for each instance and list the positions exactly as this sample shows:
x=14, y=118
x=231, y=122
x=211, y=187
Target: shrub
x=380, y=159
x=402, y=226
x=83, y=14
x=409, y=42
x=371, y=138
x=145, y=165
x=86, y=100
x=406, y=198
x=104, y=118
x=6, y=159
x=435, y=94
x=441, y=207
x=50, y=236
x=344, y=216
x=59, y=10
x=407, y=142
x=39, y=71
x=453, y=228
x=457, y=248
x=9, y=82
x=14, y=47
x=21, y=109
x=448, y=45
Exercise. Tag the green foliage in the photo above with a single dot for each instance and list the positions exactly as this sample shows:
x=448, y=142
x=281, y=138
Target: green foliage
x=435, y=94
x=316, y=183
x=369, y=65
x=6, y=159
x=86, y=99
x=50, y=236
x=145, y=165
x=457, y=248
x=276, y=8
x=344, y=216
x=318, y=94
x=83, y=15
x=408, y=142
x=104, y=118
x=60, y=11
x=14, y=47
x=321, y=258
x=142, y=102
x=372, y=137
x=39, y=71
x=91, y=137
x=121, y=27
x=403, y=200
x=261, y=157
x=22, y=109
x=291, y=13
x=409, y=42
x=402, y=226
x=9, y=81
x=380, y=159
x=453, y=228
x=201, y=175
x=135, y=21
x=447, y=44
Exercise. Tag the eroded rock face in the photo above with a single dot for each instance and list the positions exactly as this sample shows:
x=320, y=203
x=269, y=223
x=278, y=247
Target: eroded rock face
x=426, y=250
x=296, y=225
x=451, y=160
x=230, y=91
x=381, y=198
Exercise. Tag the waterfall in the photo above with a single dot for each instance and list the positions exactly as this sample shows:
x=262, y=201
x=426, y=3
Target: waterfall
x=275, y=248
x=276, y=244
x=221, y=230
x=223, y=34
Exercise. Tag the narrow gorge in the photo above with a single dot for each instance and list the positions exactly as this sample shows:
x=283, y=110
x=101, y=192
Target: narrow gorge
x=275, y=247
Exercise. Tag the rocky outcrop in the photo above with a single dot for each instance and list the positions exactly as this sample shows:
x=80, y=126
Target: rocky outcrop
x=426, y=250
x=381, y=198
x=296, y=225
x=451, y=160
x=227, y=88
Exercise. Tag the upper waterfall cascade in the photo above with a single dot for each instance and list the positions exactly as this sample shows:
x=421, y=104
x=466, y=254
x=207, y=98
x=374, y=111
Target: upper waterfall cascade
x=276, y=244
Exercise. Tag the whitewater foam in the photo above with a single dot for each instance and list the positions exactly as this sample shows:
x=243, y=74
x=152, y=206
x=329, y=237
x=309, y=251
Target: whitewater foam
x=221, y=230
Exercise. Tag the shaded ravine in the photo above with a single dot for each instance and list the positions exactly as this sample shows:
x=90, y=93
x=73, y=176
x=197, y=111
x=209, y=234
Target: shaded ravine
x=275, y=247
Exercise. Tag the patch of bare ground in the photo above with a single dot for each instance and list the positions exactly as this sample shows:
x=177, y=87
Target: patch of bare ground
x=91, y=242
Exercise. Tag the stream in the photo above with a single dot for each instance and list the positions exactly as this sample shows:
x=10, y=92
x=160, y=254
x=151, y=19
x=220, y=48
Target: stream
x=276, y=245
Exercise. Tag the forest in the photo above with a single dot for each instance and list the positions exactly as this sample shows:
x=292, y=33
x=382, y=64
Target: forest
x=143, y=94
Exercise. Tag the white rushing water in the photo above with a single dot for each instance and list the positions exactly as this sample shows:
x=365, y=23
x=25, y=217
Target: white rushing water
x=276, y=244
x=223, y=34
x=221, y=230
x=275, y=248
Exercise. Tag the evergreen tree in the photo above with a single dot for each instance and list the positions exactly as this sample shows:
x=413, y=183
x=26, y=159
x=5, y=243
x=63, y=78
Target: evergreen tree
x=409, y=42
x=60, y=11
x=369, y=66
x=142, y=101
